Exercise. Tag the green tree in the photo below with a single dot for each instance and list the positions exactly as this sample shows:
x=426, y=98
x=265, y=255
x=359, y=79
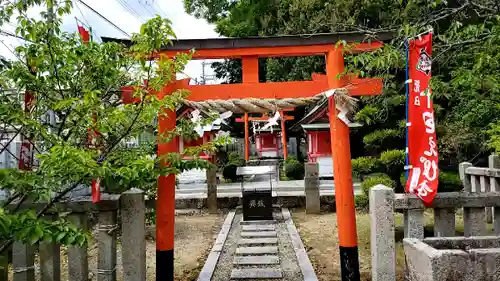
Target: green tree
x=80, y=83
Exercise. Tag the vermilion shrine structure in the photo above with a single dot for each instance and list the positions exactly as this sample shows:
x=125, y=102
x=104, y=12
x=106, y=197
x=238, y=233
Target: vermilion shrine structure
x=250, y=96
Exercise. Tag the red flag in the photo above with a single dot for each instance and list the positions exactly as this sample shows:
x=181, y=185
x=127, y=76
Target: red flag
x=92, y=139
x=84, y=33
x=26, y=150
x=422, y=143
x=96, y=190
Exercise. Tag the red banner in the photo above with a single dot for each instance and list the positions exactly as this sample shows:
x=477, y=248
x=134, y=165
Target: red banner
x=422, y=143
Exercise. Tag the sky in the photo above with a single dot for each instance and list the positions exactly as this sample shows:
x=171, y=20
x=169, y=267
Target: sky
x=128, y=15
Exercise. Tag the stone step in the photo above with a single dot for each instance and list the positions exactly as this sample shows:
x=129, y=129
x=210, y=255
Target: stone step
x=258, y=234
x=242, y=251
x=258, y=241
x=263, y=227
x=256, y=273
x=259, y=222
x=256, y=260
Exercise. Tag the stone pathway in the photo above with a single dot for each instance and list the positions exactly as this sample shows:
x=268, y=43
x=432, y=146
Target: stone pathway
x=259, y=250
x=257, y=247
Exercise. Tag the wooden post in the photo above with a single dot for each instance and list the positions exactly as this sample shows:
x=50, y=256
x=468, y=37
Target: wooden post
x=165, y=206
x=250, y=69
x=247, y=141
x=344, y=193
x=283, y=135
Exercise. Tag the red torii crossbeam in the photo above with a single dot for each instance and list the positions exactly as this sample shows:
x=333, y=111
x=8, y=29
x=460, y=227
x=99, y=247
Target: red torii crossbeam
x=249, y=50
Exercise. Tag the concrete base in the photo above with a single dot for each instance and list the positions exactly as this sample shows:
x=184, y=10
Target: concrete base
x=453, y=258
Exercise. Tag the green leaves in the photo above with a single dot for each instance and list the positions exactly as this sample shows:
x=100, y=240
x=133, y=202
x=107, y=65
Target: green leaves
x=377, y=138
x=364, y=165
x=28, y=228
x=494, y=134
x=77, y=121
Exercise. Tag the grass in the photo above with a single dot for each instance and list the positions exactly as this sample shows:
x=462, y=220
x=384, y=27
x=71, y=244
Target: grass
x=319, y=235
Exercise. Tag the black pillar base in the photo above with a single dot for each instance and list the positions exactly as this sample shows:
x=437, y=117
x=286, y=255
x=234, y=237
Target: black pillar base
x=165, y=265
x=349, y=263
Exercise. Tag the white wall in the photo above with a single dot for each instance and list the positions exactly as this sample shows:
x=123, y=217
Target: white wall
x=325, y=164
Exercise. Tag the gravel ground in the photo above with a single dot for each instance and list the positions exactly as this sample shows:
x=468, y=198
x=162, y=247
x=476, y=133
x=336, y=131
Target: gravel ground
x=289, y=264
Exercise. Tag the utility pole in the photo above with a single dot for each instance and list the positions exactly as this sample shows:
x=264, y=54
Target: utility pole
x=203, y=81
x=204, y=76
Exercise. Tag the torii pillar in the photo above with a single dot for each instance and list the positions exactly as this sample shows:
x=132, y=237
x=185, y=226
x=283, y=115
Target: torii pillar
x=341, y=156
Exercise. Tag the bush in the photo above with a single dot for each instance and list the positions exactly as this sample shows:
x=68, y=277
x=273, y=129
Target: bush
x=448, y=181
x=362, y=166
x=294, y=169
x=235, y=159
x=361, y=202
x=233, y=162
x=229, y=172
x=374, y=180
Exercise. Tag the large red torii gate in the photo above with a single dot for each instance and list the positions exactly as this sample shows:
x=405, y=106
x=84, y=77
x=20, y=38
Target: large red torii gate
x=249, y=50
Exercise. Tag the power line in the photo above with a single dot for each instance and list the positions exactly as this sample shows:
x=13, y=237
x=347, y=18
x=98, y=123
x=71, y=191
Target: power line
x=103, y=17
x=151, y=12
x=159, y=8
x=131, y=10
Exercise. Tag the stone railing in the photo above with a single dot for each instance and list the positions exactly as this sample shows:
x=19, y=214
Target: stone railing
x=480, y=195
x=130, y=207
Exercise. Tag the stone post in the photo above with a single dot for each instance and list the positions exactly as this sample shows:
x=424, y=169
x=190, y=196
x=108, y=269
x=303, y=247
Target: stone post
x=494, y=162
x=444, y=222
x=133, y=219
x=23, y=262
x=77, y=257
x=414, y=223
x=311, y=186
x=474, y=218
x=50, y=259
x=212, y=189
x=4, y=266
x=382, y=233
x=463, y=177
x=106, y=258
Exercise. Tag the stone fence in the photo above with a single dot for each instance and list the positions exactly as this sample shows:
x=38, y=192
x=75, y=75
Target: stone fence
x=130, y=207
x=479, y=196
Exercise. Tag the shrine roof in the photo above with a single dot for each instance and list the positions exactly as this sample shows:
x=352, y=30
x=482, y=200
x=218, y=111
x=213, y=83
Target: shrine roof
x=312, y=118
x=182, y=109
